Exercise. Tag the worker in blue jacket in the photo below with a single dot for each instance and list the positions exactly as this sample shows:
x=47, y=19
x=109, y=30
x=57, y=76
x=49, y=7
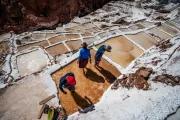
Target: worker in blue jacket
x=67, y=81
x=84, y=56
x=100, y=53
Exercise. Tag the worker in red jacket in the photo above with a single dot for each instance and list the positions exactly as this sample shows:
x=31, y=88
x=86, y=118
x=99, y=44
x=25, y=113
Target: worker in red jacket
x=67, y=81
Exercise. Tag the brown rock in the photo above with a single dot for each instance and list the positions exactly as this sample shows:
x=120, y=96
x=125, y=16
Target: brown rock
x=158, y=24
x=115, y=85
x=14, y=14
x=18, y=42
x=144, y=71
x=167, y=79
x=121, y=21
x=140, y=82
x=163, y=11
x=137, y=79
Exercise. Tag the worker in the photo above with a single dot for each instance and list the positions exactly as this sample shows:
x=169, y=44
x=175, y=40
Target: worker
x=67, y=81
x=100, y=53
x=84, y=56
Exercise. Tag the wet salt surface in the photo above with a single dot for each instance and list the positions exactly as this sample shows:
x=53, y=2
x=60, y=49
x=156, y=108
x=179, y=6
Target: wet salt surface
x=42, y=44
x=48, y=35
x=90, y=40
x=172, y=25
x=136, y=27
x=158, y=34
x=5, y=36
x=143, y=40
x=86, y=35
x=57, y=39
x=74, y=44
x=123, y=51
x=57, y=49
x=169, y=30
x=4, y=47
x=31, y=62
x=38, y=36
x=147, y=24
x=72, y=36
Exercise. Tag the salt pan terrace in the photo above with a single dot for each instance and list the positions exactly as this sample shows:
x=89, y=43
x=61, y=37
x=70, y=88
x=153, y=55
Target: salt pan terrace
x=39, y=51
x=126, y=43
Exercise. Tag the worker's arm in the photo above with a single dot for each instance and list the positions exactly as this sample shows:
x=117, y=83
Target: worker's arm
x=90, y=56
x=61, y=88
x=62, y=82
x=99, y=52
x=80, y=56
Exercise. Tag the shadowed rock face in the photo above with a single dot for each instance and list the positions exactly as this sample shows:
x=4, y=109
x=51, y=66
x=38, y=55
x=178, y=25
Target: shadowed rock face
x=22, y=15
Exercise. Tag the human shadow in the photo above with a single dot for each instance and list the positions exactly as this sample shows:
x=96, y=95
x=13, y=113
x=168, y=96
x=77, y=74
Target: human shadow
x=80, y=101
x=94, y=76
x=107, y=74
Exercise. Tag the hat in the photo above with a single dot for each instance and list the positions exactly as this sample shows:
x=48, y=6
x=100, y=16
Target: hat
x=71, y=80
x=84, y=44
x=108, y=48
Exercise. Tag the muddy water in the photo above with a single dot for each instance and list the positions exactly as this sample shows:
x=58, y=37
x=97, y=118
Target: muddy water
x=72, y=36
x=74, y=45
x=86, y=35
x=123, y=51
x=57, y=39
x=57, y=50
x=90, y=40
x=3, y=47
x=31, y=62
x=169, y=30
x=143, y=40
x=136, y=27
x=89, y=87
x=42, y=44
x=37, y=36
x=158, y=34
x=173, y=25
x=50, y=35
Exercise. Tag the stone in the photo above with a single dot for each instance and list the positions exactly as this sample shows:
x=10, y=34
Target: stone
x=144, y=72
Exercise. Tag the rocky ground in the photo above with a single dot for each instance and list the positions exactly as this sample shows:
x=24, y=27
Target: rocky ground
x=20, y=16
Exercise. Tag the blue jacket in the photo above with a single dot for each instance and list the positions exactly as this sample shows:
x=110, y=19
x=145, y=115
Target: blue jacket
x=63, y=81
x=100, y=52
x=84, y=53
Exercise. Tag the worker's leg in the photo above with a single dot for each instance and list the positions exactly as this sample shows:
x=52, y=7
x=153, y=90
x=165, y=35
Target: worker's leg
x=97, y=61
x=84, y=71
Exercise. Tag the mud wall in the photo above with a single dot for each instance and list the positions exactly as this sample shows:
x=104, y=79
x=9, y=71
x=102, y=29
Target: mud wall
x=23, y=15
